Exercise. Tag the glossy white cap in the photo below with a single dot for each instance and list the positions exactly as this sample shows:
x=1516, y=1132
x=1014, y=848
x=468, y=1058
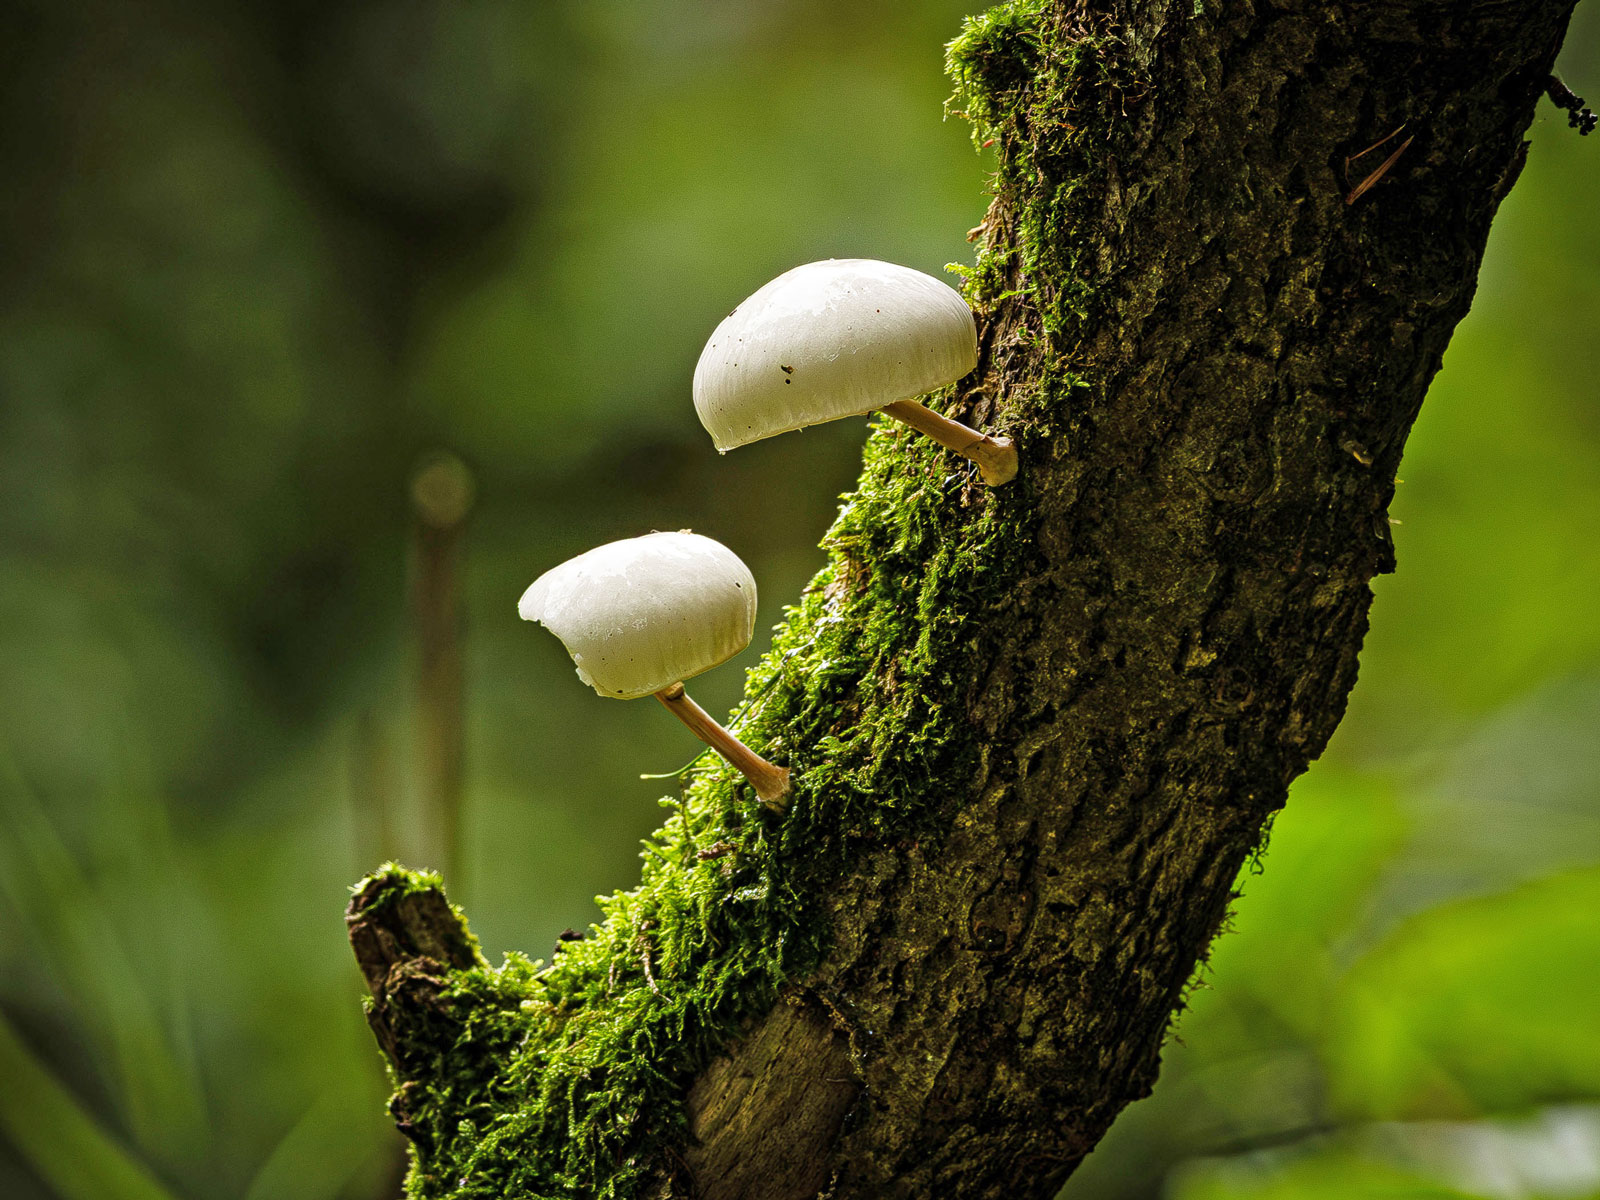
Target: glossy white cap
x=830, y=339
x=643, y=613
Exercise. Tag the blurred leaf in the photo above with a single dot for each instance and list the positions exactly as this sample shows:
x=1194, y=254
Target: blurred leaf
x=1334, y=1176
x=1554, y=1153
x=62, y=1142
x=1511, y=801
x=313, y=1161
x=71, y=931
x=1486, y=1005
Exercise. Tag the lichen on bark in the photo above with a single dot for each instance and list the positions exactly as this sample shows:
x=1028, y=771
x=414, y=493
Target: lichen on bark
x=1035, y=730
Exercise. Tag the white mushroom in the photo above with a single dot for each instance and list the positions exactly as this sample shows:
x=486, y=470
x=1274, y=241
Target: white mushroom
x=842, y=338
x=641, y=615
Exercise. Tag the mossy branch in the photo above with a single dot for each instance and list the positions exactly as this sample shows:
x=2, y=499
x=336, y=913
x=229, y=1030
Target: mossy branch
x=1034, y=730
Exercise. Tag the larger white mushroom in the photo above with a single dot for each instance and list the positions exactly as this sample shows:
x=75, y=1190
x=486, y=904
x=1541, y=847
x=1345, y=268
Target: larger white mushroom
x=842, y=338
x=641, y=615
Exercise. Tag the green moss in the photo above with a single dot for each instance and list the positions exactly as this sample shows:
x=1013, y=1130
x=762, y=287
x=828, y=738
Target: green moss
x=1051, y=97
x=566, y=1079
x=392, y=883
x=995, y=56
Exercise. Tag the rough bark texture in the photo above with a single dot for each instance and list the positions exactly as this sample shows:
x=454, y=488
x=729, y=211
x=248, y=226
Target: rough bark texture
x=1210, y=356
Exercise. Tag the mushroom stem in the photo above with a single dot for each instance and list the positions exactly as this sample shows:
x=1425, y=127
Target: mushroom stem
x=771, y=782
x=996, y=456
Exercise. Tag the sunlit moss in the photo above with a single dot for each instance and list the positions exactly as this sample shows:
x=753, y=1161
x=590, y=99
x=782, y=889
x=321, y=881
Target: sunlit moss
x=1050, y=97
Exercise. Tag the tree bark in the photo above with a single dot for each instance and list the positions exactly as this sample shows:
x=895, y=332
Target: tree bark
x=1210, y=309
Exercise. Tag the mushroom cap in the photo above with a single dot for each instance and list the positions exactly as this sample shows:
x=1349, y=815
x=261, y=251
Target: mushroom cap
x=646, y=612
x=831, y=339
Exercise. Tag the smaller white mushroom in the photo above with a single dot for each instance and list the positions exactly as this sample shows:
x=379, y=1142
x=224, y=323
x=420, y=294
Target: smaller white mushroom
x=641, y=615
x=842, y=338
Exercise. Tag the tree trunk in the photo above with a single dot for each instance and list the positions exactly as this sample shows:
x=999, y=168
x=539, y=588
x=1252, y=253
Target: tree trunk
x=1035, y=729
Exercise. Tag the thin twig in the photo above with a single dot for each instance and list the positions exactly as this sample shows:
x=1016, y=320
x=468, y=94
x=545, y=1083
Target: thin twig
x=1361, y=188
x=1388, y=137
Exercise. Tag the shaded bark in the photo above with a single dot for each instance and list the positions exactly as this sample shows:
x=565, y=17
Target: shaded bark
x=1209, y=342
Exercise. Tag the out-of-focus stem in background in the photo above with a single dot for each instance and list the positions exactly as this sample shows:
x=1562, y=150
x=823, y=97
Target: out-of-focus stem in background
x=442, y=493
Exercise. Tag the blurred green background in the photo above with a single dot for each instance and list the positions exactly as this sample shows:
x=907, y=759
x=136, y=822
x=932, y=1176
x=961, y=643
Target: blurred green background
x=261, y=261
